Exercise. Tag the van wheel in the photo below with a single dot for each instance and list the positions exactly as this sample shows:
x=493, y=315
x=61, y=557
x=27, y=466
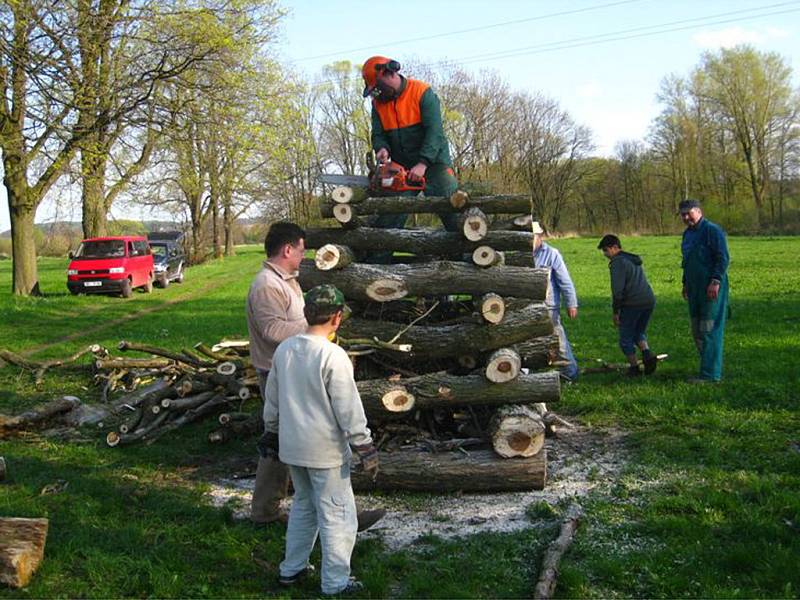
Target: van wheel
x=163, y=281
x=127, y=290
x=148, y=287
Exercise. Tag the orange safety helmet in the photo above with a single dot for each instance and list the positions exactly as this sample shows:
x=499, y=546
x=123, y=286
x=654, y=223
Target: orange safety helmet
x=372, y=67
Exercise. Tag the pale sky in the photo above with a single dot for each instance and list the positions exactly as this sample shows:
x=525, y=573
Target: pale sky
x=603, y=60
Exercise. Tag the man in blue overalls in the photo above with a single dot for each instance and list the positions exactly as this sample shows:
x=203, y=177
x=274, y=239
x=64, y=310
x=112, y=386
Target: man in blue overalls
x=705, y=287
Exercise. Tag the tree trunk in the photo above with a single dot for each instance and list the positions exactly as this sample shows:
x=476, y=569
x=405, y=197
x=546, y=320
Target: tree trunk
x=477, y=471
x=383, y=398
x=381, y=283
x=25, y=281
x=230, y=248
x=436, y=242
x=433, y=204
x=452, y=340
x=516, y=430
x=95, y=212
x=21, y=549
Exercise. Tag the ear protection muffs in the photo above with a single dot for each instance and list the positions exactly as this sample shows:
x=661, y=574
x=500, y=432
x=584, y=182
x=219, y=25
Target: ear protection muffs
x=393, y=66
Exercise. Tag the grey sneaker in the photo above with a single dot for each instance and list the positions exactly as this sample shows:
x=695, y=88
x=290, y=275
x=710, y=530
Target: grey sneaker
x=353, y=587
x=292, y=579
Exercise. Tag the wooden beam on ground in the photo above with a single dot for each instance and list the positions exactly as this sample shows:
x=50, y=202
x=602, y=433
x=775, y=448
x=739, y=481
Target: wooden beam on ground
x=21, y=549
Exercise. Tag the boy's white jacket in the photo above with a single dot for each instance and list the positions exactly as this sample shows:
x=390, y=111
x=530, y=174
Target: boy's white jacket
x=313, y=403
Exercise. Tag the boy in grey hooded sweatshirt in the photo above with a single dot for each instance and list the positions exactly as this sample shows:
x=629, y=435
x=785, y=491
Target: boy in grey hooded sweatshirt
x=632, y=303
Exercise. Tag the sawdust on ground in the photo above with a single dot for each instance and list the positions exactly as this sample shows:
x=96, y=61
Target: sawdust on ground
x=580, y=461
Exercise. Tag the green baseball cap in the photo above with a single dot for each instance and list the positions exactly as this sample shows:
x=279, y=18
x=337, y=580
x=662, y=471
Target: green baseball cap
x=326, y=296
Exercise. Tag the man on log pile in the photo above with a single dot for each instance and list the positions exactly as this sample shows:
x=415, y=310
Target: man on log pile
x=705, y=287
x=407, y=129
x=274, y=313
x=545, y=256
x=312, y=417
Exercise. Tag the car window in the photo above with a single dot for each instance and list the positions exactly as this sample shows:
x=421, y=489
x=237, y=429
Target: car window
x=142, y=248
x=101, y=249
x=158, y=250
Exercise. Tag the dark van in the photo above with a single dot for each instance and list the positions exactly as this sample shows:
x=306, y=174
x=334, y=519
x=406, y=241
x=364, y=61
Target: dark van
x=168, y=256
x=111, y=265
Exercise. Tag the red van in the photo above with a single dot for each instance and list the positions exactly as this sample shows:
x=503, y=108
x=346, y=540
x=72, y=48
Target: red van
x=111, y=264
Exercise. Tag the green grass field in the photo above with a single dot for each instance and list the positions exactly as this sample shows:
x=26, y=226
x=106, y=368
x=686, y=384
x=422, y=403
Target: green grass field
x=709, y=505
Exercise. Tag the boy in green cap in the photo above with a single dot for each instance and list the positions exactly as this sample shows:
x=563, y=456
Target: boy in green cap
x=313, y=416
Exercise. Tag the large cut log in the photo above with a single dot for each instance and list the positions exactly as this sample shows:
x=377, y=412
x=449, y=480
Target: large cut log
x=21, y=549
x=476, y=471
x=486, y=256
x=333, y=256
x=519, y=259
x=538, y=352
x=516, y=430
x=503, y=365
x=417, y=241
x=442, y=390
x=434, y=204
x=39, y=414
x=382, y=283
x=492, y=308
x=454, y=340
x=473, y=224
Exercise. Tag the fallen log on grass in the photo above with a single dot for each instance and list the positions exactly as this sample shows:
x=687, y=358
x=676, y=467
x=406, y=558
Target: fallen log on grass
x=382, y=283
x=38, y=415
x=21, y=549
x=548, y=576
x=467, y=471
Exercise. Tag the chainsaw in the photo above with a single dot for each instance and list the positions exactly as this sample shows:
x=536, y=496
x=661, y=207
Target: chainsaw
x=386, y=177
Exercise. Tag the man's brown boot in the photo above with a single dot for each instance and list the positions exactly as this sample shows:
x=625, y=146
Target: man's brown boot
x=368, y=518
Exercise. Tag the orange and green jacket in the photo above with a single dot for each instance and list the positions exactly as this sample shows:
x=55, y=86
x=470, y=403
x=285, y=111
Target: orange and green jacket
x=410, y=126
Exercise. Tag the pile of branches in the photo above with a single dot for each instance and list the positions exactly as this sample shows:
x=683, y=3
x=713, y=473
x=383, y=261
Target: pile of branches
x=143, y=398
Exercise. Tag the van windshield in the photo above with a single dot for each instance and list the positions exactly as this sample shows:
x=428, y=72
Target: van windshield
x=158, y=250
x=101, y=249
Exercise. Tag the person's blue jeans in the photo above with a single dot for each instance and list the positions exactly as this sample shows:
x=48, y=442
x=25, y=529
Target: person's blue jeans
x=633, y=328
x=323, y=504
x=570, y=371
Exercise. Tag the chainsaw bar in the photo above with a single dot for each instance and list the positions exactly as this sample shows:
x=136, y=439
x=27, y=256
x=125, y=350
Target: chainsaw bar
x=349, y=180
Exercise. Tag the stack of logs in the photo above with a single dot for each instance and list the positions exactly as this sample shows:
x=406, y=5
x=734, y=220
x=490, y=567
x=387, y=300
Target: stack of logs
x=445, y=339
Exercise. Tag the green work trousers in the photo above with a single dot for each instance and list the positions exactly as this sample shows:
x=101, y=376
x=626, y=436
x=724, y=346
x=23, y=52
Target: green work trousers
x=707, y=316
